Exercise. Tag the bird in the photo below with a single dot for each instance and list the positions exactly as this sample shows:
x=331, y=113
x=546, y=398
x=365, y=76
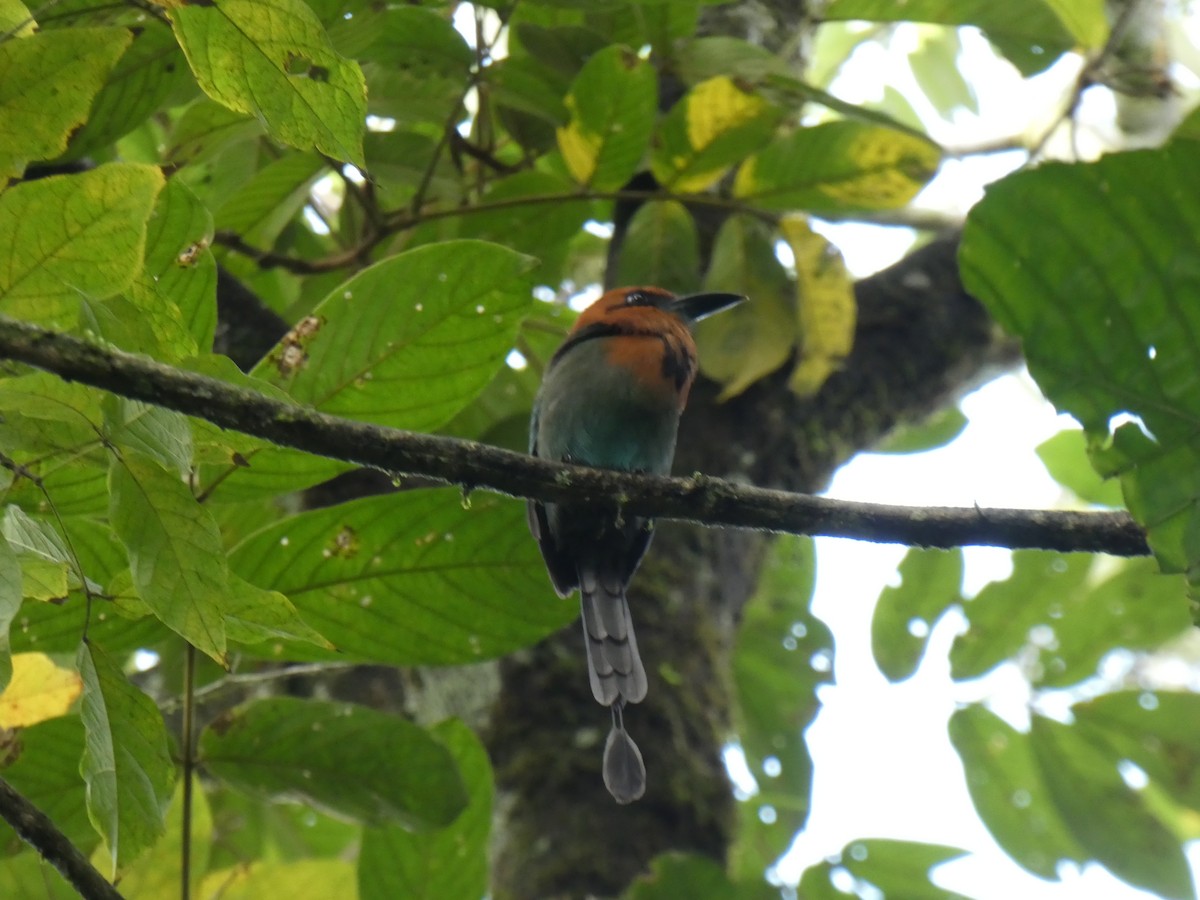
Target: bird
x=611, y=397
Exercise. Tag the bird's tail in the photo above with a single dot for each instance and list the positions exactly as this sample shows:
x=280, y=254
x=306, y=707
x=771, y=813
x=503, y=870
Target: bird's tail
x=624, y=771
x=614, y=667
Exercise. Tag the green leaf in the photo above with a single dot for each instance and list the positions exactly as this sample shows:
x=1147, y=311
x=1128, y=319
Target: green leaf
x=398, y=161
x=637, y=24
x=899, y=868
x=205, y=129
x=261, y=209
x=676, y=875
x=45, y=769
x=179, y=274
x=77, y=489
x=417, y=65
x=935, y=67
x=661, y=247
x=410, y=578
x=161, y=434
x=1087, y=20
x=47, y=82
x=541, y=230
x=1065, y=458
x=1096, y=297
x=529, y=101
x=72, y=235
x=40, y=542
x=253, y=615
x=702, y=58
x=423, y=41
x=1189, y=128
x=1008, y=787
x=374, y=767
x=174, y=549
x=150, y=72
x=562, y=48
x=253, y=829
x=1158, y=731
x=753, y=339
x=930, y=583
x=1030, y=33
x=409, y=341
x=1118, y=825
x=1003, y=615
x=783, y=655
x=837, y=167
x=936, y=431
x=794, y=91
x=716, y=124
x=1137, y=608
x=29, y=875
x=41, y=579
x=126, y=762
x=272, y=59
x=500, y=414
x=448, y=864
x=612, y=104
x=51, y=628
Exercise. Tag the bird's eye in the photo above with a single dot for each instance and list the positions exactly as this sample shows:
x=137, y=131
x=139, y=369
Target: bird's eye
x=635, y=298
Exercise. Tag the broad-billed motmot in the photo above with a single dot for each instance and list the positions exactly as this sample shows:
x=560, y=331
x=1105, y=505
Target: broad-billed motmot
x=611, y=397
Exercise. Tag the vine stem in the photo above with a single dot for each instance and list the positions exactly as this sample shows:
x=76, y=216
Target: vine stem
x=189, y=764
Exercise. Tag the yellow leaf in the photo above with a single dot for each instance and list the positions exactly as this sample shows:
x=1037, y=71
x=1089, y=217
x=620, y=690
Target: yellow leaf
x=889, y=167
x=827, y=308
x=837, y=166
x=39, y=690
x=304, y=879
x=716, y=125
x=744, y=182
x=717, y=106
x=15, y=20
x=580, y=148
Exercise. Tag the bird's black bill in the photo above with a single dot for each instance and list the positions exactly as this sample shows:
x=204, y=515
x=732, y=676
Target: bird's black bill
x=700, y=306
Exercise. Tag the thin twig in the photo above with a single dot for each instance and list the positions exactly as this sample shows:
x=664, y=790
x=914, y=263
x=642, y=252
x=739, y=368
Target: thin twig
x=1086, y=79
x=231, y=682
x=699, y=499
x=398, y=222
x=189, y=766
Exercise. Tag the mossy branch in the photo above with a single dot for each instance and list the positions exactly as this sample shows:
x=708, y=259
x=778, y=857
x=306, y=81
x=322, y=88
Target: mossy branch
x=36, y=829
x=471, y=465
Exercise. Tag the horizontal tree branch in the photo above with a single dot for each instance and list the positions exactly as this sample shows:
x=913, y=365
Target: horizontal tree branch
x=35, y=828
x=469, y=464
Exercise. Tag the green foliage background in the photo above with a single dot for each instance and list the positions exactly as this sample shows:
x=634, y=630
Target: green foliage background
x=236, y=131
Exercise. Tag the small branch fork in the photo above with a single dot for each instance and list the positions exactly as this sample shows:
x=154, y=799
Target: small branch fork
x=699, y=499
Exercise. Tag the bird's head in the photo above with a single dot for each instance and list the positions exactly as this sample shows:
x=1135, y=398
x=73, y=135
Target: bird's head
x=647, y=304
